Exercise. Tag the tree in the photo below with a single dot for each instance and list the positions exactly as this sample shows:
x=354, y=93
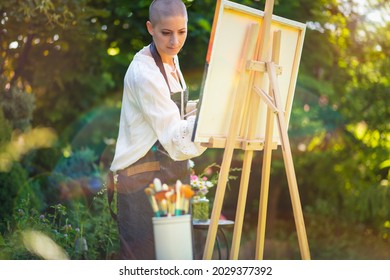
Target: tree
x=46, y=49
x=342, y=90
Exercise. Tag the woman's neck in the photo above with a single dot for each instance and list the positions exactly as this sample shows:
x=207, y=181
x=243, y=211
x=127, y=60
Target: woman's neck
x=168, y=60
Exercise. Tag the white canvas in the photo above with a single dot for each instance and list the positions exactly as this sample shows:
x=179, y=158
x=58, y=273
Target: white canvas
x=220, y=78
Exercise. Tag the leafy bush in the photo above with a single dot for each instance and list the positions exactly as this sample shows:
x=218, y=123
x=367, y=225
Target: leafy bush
x=18, y=107
x=5, y=129
x=83, y=232
x=14, y=187
x=77, y=175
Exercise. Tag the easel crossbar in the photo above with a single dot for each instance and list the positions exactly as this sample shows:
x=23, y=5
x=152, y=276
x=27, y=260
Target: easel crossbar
x=241, y=144
x=267, y=99
x=261, y=66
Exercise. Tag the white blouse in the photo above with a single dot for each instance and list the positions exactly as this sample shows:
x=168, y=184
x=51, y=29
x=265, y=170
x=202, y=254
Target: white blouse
x=148, y=114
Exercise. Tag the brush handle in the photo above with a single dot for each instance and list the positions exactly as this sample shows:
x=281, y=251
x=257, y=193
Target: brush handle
x=186, y=206
x=172, y=209
x=154, y=205
x=178, y=198
x=164, y=207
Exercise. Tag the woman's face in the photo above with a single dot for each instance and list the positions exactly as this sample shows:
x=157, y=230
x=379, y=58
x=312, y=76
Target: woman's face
x=169, y=35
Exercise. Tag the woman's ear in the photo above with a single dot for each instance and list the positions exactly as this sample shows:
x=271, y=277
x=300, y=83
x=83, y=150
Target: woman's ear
x=149, y=26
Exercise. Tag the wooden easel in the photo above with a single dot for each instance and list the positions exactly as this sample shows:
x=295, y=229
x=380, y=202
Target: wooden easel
x=250, y=89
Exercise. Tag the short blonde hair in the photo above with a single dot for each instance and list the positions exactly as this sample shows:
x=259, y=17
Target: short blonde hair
x=159, y=9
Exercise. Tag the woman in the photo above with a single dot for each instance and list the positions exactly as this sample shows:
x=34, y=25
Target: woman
x=154, y=139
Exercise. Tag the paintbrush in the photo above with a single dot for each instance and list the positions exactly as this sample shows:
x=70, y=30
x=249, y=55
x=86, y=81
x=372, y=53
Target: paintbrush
x=157, y=185
x=170, y=202
x=149, y=192
x=164, y=207
x=186, y=193
x=159, y=196
x=165, y=187
x=161, y=202
x=179, y=209
x=173, y=201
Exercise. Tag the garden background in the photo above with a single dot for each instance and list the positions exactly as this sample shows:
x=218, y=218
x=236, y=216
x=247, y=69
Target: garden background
x=62, y=65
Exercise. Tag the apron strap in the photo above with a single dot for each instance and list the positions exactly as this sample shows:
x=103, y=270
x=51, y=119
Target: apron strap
x=157, y=59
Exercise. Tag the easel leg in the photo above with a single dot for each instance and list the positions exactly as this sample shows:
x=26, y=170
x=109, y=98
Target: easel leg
x=295, y=200
x=217, y=207
x=264, y=190
x=267, y=158
x=238, y=222
x=289, y=166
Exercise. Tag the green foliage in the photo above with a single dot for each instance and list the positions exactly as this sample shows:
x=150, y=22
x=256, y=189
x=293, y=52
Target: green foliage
x=71, y=228
x=77, y=175
x=5, y=130
x=18, y=107
x=14, y=187
x=79, y=164
x=94, y=129
x=352, y=189
x=340, y=90
x=335, y=239
x=39, y=164
x=51, y=48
